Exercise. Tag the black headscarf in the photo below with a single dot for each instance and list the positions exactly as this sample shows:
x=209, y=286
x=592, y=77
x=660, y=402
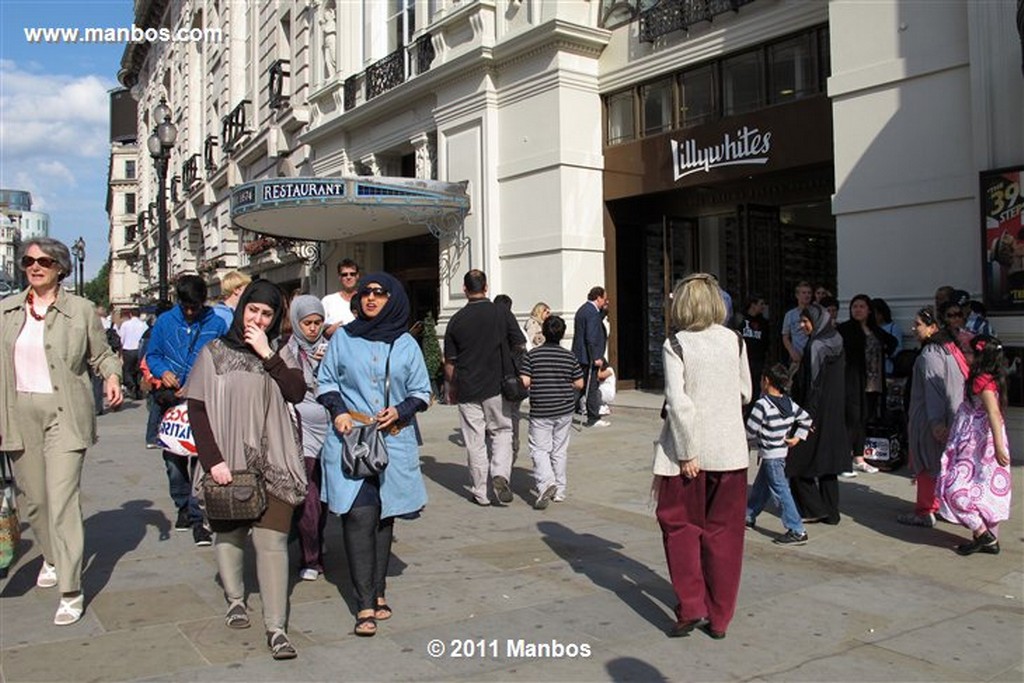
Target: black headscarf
x=258, y=292
x=393, y=319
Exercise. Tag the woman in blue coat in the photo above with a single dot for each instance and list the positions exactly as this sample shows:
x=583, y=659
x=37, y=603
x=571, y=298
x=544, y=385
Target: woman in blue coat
x=372, y=351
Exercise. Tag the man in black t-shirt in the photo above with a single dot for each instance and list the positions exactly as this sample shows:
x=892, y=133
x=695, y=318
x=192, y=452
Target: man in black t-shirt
x=473, y=368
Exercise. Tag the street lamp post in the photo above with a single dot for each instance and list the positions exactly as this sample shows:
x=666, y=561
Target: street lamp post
x=78, y=251
x=160, y=144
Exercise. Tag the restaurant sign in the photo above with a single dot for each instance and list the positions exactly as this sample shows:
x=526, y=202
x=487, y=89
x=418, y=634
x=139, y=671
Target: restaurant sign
x=748, y=146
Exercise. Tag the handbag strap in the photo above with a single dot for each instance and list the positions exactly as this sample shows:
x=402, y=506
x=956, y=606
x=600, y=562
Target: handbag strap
x=6, y=469
x=387, y=376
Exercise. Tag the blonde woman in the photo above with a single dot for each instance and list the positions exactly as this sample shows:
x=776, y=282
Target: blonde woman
x=533, y=325
x=701, y=457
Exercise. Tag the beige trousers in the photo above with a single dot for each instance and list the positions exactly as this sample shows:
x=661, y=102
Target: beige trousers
x=487, y=431
x=49, y=482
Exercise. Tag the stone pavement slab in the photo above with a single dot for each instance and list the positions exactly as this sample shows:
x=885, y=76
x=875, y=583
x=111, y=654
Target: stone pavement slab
x=867, y=600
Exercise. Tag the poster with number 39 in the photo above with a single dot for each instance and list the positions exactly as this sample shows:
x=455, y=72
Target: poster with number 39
x=1002, y=217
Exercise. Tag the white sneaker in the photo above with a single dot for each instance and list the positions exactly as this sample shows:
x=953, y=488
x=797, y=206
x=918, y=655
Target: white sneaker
x=864, y=467
x=47, y=576
x=600, y=423
x=309, y=574
x=559, y=498
x=604, y=410
x=848, y=475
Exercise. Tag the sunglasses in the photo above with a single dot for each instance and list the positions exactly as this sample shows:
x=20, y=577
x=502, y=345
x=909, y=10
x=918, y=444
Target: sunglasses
x=379, y=292
x=44, y=261
x=349, y=274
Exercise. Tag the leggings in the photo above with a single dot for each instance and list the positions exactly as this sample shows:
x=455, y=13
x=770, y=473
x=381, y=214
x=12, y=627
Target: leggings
x=271, y=570
x=368, y=547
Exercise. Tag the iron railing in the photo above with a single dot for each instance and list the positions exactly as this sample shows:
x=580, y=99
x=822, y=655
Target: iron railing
x=278, y=72
x=233, y=126
x=679, y=15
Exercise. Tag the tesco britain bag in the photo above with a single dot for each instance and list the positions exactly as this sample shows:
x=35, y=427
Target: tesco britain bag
x=175, y=432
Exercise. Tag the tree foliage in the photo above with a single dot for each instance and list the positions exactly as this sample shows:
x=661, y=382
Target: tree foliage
x=431, y=348
x=97, y=290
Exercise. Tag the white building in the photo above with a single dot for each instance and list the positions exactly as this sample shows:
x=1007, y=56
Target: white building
x=855, y=134
x=18, y=222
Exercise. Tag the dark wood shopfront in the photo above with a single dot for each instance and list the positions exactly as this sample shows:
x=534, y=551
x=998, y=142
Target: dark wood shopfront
x=759, y=217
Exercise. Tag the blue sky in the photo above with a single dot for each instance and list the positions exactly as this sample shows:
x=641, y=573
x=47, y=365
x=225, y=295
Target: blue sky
x=54, y=115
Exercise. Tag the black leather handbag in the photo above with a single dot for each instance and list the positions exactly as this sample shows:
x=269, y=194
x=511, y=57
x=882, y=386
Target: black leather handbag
x=363, y=452
x=244, y=499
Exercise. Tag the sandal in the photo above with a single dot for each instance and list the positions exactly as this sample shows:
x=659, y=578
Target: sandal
x=382, y=612
x=237, y=616
x=366, y=627
x=69, y=610
x=280, y=646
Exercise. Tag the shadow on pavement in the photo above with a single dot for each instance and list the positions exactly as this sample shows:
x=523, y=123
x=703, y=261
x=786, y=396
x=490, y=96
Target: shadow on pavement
x=451, y=476
x=633, y=669
x=636, y=584
x=111, y=534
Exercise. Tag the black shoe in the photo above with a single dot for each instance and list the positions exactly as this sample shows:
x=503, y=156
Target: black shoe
x=182, y=523
x=749, y=524
x=791, y=538
x=683, y=628
x=986, y=543
x=716, y=635
x=201, y=536
x=502, y=490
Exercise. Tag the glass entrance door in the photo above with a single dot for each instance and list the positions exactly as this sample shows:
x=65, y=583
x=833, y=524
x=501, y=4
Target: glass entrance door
x=671, y=252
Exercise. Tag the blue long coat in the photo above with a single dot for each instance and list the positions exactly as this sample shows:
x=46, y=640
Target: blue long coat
x=355, y=368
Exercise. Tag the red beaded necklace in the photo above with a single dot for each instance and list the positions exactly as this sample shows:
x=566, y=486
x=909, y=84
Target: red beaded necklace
x=30, y=301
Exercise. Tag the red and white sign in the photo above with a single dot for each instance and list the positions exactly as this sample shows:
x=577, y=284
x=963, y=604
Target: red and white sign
x=176, y=432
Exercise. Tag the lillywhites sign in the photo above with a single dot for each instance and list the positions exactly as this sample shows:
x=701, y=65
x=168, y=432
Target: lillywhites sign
x=302, y=190
x=749, y=146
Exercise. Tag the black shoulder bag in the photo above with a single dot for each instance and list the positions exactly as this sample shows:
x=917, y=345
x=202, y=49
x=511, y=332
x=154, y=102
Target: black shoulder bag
x=364, y=453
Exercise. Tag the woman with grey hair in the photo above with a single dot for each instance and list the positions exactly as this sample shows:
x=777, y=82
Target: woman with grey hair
x=50, y=340
x=701, y=458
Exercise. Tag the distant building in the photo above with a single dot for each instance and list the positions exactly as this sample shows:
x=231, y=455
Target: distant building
x=18, y=222
x=131, y=246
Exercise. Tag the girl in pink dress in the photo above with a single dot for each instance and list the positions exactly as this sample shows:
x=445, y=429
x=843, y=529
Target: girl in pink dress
x=974, y=486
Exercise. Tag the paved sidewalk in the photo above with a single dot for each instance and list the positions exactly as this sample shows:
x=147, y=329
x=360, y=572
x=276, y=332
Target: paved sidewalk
x=868, y=600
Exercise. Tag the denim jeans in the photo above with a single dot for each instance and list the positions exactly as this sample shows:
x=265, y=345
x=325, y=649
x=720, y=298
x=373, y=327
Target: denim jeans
x=156, y=414
x=771, y=482
x=179, y=477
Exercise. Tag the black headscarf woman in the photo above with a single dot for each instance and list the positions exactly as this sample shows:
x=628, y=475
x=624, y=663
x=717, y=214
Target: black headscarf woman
x=258, y=292
x=393, y=319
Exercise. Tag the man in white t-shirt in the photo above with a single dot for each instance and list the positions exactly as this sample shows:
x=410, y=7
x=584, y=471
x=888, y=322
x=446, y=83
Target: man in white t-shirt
x=131, y=330
x=338, y=306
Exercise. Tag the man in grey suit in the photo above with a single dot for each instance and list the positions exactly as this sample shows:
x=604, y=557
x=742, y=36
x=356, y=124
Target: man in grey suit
x=588, y=344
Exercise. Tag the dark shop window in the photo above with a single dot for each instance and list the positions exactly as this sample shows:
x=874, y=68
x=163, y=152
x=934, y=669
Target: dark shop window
x=743, y=83
x=697, y=95
x=657, y=104
x=791, y=69
x=621, y=118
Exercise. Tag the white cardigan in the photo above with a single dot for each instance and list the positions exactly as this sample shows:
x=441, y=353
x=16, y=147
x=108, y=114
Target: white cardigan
x=704, y=393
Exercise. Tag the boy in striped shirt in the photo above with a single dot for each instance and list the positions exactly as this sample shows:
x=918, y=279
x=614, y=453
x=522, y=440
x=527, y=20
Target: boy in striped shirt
x=776, y=422
x=554, y=377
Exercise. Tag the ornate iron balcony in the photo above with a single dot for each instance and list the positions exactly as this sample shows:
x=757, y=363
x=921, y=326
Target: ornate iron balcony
x=208, y=146
x=679, y=15
x=424, y=48
x=351, y=85
x=233, y=126
x=385, y=74
x=278, y=72
x=189, y=172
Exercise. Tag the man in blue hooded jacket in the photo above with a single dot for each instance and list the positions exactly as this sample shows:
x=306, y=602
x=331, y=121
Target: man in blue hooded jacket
x=175, y=342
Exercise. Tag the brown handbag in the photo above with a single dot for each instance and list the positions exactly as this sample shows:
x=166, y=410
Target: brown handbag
x=244, y=499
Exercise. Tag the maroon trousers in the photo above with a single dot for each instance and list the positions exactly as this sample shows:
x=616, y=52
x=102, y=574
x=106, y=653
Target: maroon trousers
x=702, y=529
x=312, y=519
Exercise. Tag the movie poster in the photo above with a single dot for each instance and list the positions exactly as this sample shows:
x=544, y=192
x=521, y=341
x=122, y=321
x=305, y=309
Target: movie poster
x=1002, y=216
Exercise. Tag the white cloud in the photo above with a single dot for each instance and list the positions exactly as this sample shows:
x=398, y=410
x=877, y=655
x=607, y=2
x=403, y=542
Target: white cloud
x=57, y=170
x=51, y=116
